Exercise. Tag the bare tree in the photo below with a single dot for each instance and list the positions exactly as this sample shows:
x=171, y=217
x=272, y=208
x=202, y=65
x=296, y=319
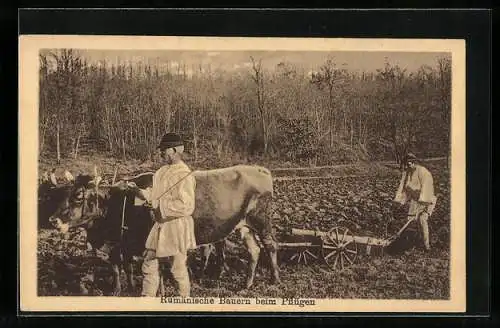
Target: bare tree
x=394, y=107
x=131, y=105
x=444, y=71
x=67, y=92
x=330, y=77
x=258, y=78
x=44, y=111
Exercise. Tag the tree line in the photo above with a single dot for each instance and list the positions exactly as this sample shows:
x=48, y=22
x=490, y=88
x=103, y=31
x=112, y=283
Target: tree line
x=328, y=116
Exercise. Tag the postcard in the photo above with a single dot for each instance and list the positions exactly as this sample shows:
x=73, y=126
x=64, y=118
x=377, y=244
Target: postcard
x=207, y=174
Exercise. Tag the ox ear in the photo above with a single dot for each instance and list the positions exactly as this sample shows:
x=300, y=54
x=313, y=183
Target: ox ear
x=144, y=180
x=120, y=185
x=130, y=188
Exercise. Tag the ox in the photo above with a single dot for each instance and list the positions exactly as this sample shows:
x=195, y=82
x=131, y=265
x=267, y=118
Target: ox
x=237, y=197
x=50, y=196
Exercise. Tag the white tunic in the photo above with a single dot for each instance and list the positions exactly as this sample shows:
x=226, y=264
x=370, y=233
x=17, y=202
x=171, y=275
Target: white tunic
x=417, y=187
x=176, y=236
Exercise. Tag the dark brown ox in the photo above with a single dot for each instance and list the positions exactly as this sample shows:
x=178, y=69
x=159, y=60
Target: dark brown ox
x=237, y=197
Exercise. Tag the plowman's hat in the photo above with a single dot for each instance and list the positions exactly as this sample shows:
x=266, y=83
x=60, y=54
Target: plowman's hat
x=411, y=157
x=170, y=140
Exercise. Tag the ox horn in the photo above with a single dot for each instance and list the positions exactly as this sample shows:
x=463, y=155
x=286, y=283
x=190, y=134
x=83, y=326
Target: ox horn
x=97, y=181
x=95, y=170
x=53, y=178
x=114, y=175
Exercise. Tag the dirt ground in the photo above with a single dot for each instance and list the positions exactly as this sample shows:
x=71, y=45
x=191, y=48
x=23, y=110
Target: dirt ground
x=357, y=197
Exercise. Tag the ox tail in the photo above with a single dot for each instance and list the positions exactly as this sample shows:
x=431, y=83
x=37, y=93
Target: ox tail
x=259, y=215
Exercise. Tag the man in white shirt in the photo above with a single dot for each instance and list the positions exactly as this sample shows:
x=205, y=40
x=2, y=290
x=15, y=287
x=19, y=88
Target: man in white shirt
x=417, y=187
x=172, y=204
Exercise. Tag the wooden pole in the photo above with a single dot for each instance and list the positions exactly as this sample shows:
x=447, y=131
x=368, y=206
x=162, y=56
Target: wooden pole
x=77, y=145
x=96, y=187
x=123, y=216
x=123, y=147
x=58, y=145
x=114, y=175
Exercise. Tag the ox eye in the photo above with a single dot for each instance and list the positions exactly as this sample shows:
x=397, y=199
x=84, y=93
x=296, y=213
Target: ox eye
x=78, y=194
x=78, y=198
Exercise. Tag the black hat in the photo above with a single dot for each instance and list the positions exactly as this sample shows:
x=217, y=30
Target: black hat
x=170, y=140
x=411, y=157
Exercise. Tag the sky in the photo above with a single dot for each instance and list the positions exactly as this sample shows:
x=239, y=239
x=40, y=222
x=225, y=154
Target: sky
x=240, y=60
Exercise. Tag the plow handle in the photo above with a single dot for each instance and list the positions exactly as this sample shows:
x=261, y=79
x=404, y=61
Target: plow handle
x=398, y=234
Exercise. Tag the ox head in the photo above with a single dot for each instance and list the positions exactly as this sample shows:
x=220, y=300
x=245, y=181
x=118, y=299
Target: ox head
x=78, y=204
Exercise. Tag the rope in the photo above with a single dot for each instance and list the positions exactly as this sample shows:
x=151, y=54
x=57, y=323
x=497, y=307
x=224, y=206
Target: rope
x=122, y=227
x=97, y=196
x=173, y=185
x=123, y=217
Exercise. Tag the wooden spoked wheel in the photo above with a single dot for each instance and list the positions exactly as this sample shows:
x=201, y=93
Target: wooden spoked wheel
x=339, y=248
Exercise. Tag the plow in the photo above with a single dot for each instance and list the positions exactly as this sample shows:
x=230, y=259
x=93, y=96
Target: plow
x=338, y=248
